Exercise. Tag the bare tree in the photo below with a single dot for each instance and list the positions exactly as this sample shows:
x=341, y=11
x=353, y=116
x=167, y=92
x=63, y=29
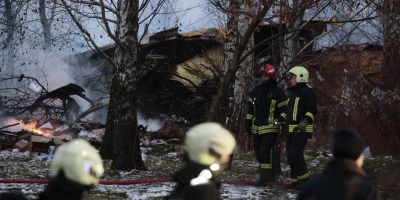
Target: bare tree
x=46, y=20
x=121, y=119
x=121, y=141
x=235, y=49
x=244, y=80
x=293, y=20
x=391, y=26
x=10, y=16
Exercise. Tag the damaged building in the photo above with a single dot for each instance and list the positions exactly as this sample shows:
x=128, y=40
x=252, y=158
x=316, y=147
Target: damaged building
x=179, y=72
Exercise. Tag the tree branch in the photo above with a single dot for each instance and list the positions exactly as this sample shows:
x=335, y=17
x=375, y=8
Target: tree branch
x=88, y=36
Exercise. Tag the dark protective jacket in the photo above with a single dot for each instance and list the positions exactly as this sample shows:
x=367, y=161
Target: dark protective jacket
x=184, y=189
x=266, y=103
x=301, y=105
x=342, y=179
x=61, y=188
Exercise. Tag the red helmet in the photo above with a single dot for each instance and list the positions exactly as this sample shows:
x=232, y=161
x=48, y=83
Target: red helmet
x=267, y=70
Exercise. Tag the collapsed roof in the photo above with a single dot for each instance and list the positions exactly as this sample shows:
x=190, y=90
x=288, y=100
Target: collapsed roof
x=183, y=68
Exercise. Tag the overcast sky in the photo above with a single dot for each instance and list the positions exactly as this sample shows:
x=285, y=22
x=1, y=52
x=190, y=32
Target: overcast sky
x=190, y=15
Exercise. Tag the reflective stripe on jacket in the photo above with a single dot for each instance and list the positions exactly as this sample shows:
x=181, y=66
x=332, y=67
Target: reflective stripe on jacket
x=301, y=104
x=266, y=103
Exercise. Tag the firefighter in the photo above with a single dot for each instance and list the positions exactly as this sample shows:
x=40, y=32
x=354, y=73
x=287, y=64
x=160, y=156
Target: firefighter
x=266, y=105
x=343, y=177
x=76, y=168
x=301, y=110
x=208, y=147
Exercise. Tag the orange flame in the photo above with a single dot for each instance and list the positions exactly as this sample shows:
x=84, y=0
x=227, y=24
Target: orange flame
x=32, y=126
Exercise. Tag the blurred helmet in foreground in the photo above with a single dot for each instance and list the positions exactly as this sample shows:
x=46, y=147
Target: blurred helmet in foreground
x=79, y=161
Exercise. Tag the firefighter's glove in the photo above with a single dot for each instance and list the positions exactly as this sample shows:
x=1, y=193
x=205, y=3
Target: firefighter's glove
x=276, y=122
x=301, y=127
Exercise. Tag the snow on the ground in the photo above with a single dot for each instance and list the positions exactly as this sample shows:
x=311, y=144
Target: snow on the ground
x=161, y=165
x=96, y=134
x=162, y=161
x=155, y=191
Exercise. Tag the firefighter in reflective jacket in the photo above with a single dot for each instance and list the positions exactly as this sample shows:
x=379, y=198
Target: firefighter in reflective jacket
x=299, y=118
x=267, y=104
x=208, y=149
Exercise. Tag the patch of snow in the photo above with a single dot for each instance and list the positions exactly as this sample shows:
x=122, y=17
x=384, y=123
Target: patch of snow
x=291, y=196
x=367, y=152
x=11, y=154
x=388, y=157
x=28, y=189
x=154, y=142
x=378, y=93
x=159, y=190
x=319, y=76
x=172, y=154
x=96, y=134
x=285, y=168
x=27, y=153
x=144, y=156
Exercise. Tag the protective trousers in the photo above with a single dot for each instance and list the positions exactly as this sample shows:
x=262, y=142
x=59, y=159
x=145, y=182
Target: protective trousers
x=295, y=145
x=263, y=145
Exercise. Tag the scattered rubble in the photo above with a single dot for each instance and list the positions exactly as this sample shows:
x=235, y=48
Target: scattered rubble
x=36, y=141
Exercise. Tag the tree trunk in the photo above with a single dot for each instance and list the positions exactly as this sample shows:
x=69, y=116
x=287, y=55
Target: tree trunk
x=220, y=104
x=234, y=48
x=121, y=124
x=10, y=43
x=46, y=23
x=244, y=76
x=391, y=32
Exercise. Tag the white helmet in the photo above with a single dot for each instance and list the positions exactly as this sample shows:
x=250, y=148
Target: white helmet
x=79, y=161
x=209, y=143
x=302, y=74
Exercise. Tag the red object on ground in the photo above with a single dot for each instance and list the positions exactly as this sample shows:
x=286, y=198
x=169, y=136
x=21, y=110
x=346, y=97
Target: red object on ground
x=132, y=182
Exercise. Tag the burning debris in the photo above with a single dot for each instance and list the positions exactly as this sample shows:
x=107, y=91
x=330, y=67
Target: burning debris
x=28, y=137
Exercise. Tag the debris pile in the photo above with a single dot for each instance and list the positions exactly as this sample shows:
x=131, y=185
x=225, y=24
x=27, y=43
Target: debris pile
x=39, y=141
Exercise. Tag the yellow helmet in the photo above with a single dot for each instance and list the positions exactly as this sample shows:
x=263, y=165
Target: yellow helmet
x=209, y=143
x=301, y=73
x=79, y=161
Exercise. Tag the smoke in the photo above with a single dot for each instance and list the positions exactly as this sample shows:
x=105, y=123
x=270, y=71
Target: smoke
x=52, y=70
x=47, y=67
x=152, y=124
